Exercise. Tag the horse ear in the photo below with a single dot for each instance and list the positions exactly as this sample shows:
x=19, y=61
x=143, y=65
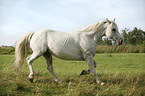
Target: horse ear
x=107, y=20
x=114, y=19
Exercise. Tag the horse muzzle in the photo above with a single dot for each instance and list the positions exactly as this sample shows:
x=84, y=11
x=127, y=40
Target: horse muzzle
x=120, y=42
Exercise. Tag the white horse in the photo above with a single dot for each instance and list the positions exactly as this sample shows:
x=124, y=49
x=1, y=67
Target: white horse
x=78, y=45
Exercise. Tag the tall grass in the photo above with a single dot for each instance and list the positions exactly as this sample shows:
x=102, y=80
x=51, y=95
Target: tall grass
x=123, y=75
x=120, y=49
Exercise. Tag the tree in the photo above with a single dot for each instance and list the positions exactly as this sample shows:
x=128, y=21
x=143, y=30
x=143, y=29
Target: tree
x=136, y=36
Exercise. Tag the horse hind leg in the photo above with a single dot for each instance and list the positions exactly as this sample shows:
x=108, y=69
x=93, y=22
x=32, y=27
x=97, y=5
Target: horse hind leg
x=49, y=64
x=29, y=60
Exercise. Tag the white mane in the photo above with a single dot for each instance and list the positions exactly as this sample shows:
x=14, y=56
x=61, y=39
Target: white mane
x=91, y=27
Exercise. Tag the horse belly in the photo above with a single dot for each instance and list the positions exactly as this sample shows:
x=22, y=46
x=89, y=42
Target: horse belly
x=67, y=53
x=65, y=48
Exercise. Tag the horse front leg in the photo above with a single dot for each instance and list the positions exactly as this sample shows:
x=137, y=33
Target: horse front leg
x=91, y=64
x=84, y=72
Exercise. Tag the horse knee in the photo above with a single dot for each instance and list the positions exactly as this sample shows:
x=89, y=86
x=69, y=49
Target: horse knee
x=28, y=58
x=29, y=62
x=50, y=68
x=95, y=64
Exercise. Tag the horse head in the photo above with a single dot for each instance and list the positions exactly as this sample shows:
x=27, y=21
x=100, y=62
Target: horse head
x=112, y=31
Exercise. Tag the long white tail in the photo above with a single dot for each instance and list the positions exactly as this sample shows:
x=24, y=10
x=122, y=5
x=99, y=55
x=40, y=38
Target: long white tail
x=21, y=50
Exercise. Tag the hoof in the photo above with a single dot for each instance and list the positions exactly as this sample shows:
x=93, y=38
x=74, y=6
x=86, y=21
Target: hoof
x=99, y=82
x=102, y=83
x=31, y=80
x=84, y=72
x=58, y=82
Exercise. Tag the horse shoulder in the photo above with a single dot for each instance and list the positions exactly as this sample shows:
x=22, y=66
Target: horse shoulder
x=88, y=45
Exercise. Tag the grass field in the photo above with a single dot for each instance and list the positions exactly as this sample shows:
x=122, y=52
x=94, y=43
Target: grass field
x=122, y=73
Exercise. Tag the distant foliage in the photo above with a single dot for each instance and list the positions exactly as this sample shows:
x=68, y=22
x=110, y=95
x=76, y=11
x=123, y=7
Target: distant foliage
x=7, y=50
x=4, y=50
x=133, y=37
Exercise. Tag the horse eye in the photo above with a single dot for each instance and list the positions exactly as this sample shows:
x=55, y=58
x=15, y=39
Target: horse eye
x=113, y=29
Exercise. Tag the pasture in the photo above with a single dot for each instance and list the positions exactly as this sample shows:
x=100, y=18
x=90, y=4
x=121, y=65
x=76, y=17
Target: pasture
x=122, y=73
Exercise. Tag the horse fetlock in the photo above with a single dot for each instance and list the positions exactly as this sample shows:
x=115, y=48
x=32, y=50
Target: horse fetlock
x=99, y=82
x=31, y=76
x=57, y=80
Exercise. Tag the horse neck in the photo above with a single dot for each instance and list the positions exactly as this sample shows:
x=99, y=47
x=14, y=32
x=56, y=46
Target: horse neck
x=95, y=30
x=98, y=33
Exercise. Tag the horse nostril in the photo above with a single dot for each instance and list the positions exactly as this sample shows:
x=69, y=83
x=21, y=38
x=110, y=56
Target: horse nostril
x=113, y=29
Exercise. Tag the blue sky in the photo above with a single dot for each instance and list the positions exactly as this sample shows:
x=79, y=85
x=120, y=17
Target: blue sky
x=17, y=17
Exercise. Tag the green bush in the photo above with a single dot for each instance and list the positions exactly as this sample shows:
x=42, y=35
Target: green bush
x=7, y=50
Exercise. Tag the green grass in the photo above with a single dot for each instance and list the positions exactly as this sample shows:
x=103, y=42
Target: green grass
x=123, y=75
